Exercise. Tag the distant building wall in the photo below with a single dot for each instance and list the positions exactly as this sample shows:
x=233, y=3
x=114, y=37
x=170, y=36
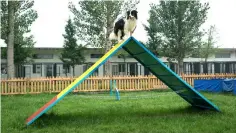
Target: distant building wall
x=47, y=63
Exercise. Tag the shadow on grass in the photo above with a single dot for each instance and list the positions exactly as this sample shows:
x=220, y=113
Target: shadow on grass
x=113, y=116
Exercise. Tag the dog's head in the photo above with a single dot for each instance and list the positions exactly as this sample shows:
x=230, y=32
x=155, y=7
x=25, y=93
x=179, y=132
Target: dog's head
x=132, y=15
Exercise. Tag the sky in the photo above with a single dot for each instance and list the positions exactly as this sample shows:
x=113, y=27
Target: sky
x=53, y=14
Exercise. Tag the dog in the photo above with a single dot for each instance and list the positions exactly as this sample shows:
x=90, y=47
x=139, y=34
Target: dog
x=124, y=27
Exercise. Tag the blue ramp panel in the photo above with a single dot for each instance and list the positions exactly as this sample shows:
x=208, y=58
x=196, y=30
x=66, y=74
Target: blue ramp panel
x=166, y=75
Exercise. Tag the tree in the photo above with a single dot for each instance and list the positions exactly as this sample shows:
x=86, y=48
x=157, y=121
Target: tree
x=123, y=54
x=24, y=16
x=154, y=41
x=10, y=40
x=94, y=21
x=72, y=53
x=208, y=47
x=174, y=27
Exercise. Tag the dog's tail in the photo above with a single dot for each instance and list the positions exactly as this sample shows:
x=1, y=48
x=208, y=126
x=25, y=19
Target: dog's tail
x=112, y=36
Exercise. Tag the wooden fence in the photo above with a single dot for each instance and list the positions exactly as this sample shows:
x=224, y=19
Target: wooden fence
x=129, y=83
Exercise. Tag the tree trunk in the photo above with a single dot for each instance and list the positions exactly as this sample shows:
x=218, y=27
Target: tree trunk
x=205, y=68
x=10, y=41
x=107, y=64
x=66, y=70
x=108, y=42
x=73, y=67
x=180, y=66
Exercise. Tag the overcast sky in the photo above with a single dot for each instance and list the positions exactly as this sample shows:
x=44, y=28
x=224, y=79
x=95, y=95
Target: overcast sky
x=53, y=14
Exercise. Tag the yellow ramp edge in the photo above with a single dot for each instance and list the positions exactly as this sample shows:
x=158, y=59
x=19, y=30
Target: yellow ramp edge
x=90, y=69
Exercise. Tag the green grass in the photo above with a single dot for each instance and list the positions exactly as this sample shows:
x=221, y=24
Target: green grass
x=79, y=113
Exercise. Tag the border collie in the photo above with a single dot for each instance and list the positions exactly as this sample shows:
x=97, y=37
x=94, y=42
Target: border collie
x=124, y=27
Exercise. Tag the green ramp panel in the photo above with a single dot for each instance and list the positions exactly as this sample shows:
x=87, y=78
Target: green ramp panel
x=166, y=75
x=147, y=59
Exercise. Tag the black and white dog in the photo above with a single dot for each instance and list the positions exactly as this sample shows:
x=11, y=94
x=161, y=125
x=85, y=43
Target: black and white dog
x=124, y=27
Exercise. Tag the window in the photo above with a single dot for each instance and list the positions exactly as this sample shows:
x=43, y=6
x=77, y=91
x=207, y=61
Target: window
x=196, y=67
x=37, y=68
x=146, y=71
x=222, y=55
x=43, y=56
x=188, y=68
x=133, y=69
x=207, y=67
x=87, y=66
x=227, y=67
x=222, y=68
x=217, y=67
x=210, y=67
x=121, y=67
x=173, y=66
x=115, y=70
x=232, y=67
x=96, y=55
x=66, y=68
x=3, y=68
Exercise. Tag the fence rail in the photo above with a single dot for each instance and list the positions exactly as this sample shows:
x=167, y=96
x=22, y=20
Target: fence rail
x=129, y=83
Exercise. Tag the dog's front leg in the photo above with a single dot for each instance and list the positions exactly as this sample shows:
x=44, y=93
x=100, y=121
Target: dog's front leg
x=126, y=34
x=131, y=32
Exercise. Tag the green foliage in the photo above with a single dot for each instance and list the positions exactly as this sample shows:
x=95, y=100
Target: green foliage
x=94, y=19
x=72, y=53
x=154, y=41
x=174, y=28
x=91, y=20
x=23, y=41
x=4, y=19
x=123, y=54
x=208, y=48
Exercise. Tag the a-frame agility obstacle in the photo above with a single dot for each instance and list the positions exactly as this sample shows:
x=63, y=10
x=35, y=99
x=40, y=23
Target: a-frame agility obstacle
x=148, y=60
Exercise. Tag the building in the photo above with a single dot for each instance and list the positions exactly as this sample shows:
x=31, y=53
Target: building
x=46, y=63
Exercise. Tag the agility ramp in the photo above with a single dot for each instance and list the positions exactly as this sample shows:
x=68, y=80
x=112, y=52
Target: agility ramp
x=148, y=60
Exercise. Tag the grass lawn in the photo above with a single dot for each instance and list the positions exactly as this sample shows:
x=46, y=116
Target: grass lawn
x=148, y=112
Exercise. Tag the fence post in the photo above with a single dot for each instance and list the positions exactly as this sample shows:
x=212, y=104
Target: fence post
x=149, y=82
x=50, y=85
x=117, y=91
x=28, y=86
x=117, y=95
x=111, y=87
